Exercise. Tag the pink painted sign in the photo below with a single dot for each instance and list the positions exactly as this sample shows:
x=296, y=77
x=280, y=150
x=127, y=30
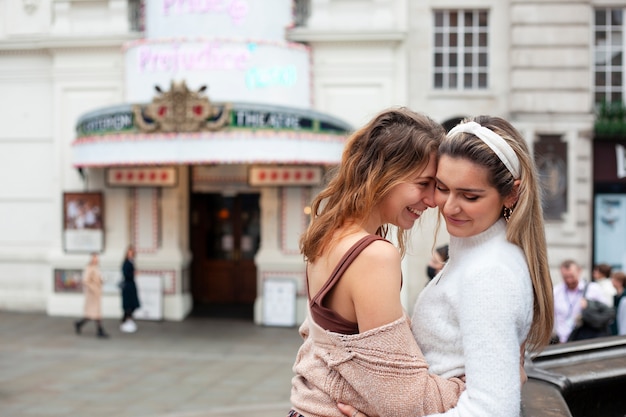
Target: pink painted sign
x=269, y=72
x=243, y=19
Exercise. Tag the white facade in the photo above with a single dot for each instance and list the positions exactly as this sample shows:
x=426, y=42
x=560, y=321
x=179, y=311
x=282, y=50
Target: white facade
x=60, y=59
x=540, y=78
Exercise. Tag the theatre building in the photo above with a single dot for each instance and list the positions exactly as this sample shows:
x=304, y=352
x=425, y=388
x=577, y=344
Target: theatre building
x=214, y=197
x=193, y=139
x=199, y=131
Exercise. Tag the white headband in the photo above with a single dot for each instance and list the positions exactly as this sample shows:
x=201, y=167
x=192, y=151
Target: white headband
x=494, y=141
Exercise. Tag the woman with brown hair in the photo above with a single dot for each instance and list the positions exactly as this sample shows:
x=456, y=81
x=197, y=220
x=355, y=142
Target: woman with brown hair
x=358, y=346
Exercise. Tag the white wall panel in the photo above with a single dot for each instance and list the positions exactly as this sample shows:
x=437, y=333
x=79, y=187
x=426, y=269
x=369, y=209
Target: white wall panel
x=357, y=14
x=549, y=78
x=555, y=35
x=146, y=223
x=538, y=101
x=26, y=169
x=25, y=108
x=534, y=13
x=354, y=102
x=564, y=57
x=27, y=17
x=292, y=218
x=27, y=222
x=356, y=81
x=27, y=288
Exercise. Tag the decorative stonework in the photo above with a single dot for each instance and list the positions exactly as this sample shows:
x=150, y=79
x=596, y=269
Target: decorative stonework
x=141, y=177
x=30, y=6
x=181, y=110
x=281, y=175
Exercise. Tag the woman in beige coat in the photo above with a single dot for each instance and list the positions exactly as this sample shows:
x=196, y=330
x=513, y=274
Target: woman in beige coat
x=92, y=287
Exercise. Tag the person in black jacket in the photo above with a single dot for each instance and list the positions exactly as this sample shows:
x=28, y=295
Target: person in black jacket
x=130, y=299
x=437, y=261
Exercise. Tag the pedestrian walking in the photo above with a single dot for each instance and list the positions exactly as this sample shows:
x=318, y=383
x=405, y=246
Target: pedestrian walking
x=570, y=299
x=130, y=299
x=92, y=287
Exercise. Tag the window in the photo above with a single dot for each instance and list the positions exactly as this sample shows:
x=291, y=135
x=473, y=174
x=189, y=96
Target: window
x=608, y=61
x=461, y=49
x=136, y=15
x=301, y=12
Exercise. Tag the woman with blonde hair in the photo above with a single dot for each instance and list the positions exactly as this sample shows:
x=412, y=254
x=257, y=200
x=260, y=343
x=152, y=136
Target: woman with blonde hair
x=92, y=286
x=495, y=292
x=358, y=346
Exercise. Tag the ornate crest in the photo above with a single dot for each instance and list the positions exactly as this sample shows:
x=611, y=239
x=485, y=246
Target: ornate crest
x=181, y=110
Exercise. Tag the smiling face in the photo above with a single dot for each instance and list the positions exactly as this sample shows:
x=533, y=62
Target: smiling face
x=466, y=199
x=406, y=202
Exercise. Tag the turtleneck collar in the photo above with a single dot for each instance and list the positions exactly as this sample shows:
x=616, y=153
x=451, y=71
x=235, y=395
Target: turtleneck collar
x=493, y=231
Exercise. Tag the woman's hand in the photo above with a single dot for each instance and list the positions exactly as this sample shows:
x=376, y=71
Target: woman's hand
x=349, y=411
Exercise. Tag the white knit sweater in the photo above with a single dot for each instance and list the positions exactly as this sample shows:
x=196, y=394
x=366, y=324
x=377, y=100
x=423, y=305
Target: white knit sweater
x=472, y=318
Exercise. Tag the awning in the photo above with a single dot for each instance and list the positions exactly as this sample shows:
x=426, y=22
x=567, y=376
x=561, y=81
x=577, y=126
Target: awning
x=183, y=127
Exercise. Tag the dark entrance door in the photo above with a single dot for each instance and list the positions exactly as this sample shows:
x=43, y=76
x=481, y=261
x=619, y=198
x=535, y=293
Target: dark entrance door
x=225, y=236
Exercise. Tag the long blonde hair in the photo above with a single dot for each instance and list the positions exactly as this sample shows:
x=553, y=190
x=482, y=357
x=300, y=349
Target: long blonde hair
x=380, y=155
x=526, y=226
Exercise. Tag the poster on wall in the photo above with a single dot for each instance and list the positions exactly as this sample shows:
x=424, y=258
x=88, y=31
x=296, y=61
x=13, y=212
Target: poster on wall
x=150, y=291
x=83, y=222
x=610, y=229
x=279, y=302
x=68, y=280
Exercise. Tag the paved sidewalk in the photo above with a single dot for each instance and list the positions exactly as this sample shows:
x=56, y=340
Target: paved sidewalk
x=195, y=368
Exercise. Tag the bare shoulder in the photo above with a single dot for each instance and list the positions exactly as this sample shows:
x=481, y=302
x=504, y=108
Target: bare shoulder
x=380, y=258
x=375, y=279
x=381, y=251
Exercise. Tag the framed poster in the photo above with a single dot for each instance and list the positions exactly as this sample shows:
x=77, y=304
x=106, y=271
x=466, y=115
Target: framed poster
x=83, y=222
x=279, y=302
x=68, y=280
x=150, y=292
x=551, y=159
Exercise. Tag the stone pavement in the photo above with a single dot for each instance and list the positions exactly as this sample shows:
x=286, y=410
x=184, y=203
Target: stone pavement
x=195, y=368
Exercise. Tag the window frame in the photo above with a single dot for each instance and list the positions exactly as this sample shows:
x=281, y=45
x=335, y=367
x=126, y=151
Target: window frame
x=458, y=42
x=608, y=90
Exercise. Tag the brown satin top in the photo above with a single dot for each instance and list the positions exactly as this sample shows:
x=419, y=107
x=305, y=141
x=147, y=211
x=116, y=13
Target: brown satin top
x=324, y=316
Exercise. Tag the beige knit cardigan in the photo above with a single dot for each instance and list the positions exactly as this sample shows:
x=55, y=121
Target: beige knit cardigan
x=381, y=372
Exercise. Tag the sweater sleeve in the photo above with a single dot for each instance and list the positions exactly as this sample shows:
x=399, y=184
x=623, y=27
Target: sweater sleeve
x=387, y=367
x=493, y=318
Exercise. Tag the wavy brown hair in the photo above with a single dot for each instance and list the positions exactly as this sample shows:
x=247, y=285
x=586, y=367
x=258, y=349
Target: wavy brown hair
x=526, y=225
x=387, y=151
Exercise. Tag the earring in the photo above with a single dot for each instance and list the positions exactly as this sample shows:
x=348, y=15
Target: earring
x=507, y=213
